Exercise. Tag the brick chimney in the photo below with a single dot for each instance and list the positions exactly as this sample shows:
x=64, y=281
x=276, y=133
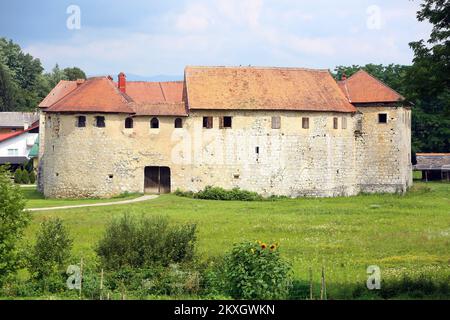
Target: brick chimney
x=122, y=82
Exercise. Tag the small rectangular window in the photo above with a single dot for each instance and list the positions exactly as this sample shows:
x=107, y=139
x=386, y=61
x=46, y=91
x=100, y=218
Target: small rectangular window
x=276, y=122
x=207, y=122
x=13, y=152
x=81, y=121
x=344, y=123
x=382, y=118
x=305, y=123
x=335, y=123
x=178, y=123
x=100, y=122
x=225, y=122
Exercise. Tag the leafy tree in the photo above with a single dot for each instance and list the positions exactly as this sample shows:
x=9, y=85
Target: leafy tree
x=429, y=80
x=51, y=252
x=55, y=76
x=22, y=81
x=74, y=73
x=8, y=90
x=25, y=71
x=13, y=220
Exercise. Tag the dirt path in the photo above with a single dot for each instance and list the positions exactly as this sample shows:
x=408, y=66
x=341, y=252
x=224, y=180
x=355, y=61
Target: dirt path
x=102, y=204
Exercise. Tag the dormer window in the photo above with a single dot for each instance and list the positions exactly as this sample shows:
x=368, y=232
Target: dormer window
x=129, y=123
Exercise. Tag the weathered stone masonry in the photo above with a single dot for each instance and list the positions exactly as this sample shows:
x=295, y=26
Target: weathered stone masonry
x=360, y=155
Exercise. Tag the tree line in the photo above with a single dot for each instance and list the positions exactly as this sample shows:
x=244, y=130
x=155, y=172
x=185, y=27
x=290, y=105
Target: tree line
x=23, y=82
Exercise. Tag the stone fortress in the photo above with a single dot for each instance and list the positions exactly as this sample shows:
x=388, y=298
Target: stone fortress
x=276, y=131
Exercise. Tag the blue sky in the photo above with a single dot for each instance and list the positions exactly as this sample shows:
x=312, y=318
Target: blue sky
x=162, y=37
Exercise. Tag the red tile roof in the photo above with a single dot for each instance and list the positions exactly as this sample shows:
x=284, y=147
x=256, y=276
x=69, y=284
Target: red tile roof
x=95, y=95
x=158, y=98
x=9, y=135
x=156, y=92
x=62, y=89
x=254, y=88
x=242, y=88
x=362, y=87
x=101, y=94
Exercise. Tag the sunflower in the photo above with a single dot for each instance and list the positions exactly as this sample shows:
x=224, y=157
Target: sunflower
x=273, y=246
x=263, y=246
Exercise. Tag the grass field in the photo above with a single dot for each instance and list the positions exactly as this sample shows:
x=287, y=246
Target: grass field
x=407, y=234
x=37, y=200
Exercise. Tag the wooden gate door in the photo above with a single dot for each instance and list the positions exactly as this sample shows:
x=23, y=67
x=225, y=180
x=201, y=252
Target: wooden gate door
x=151, y=180
x=164, y=180
x=157, y=180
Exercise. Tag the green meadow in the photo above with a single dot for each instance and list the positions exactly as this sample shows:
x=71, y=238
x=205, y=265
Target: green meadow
x=405, y=235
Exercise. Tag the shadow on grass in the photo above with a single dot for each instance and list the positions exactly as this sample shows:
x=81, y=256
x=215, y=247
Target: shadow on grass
x=405, y=288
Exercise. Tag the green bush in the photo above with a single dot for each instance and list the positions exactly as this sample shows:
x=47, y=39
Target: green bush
x=25, y=177
x=214, y=278
x=13, y=221
x=144, y=242
x=48, y=258
x=217, y=193
x=32, y=177
x=18, y=176
x=173, y=280
x=256, y=271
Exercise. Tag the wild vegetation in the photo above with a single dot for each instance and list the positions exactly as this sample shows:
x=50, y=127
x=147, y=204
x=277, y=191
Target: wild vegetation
x=13, y=221
x=217, y=193
x=407, y=236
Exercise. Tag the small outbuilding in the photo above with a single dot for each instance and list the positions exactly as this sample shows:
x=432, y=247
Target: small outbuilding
x=434, y=166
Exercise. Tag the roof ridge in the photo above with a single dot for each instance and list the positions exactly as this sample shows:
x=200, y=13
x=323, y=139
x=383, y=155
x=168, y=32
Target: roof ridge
x=259, y=67
x=175, y=81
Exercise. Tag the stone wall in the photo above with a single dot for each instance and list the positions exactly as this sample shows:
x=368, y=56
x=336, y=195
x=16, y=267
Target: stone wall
x=384, y=150
x=319, y=161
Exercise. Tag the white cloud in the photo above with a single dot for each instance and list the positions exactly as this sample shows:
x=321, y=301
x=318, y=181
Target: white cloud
x=238, y=32
x=195, y=18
